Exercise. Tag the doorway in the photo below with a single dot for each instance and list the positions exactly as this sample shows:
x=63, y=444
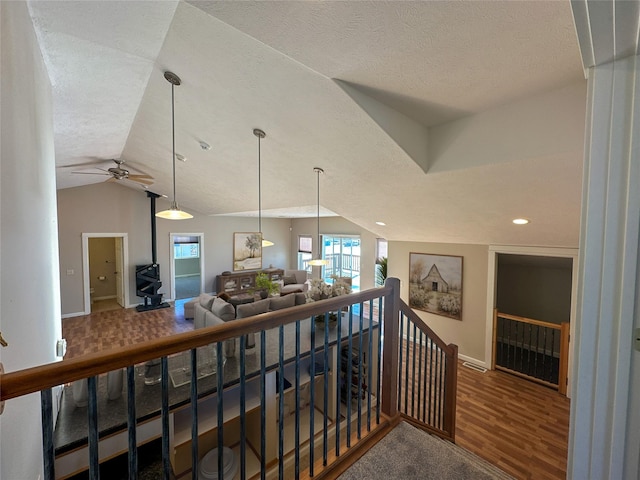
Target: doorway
x=343, y=254
x=105, y=256
x=531, y=283
x=187, y=265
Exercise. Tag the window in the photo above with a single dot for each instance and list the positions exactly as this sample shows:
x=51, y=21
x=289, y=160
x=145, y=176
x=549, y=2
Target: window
x=186, y=250
x=343, y=255
x=305, y=252
x=381, y=249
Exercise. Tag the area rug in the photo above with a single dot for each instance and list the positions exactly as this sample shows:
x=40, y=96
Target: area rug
x=409, y=453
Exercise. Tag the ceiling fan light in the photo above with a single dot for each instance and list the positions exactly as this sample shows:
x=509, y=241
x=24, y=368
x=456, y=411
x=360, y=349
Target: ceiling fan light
x=318, y=262
x=265, y=243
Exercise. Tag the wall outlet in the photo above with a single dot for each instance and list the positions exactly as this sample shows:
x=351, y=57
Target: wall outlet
x=61, y=347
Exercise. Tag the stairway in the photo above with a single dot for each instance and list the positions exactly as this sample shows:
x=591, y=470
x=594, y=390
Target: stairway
x=410, y=453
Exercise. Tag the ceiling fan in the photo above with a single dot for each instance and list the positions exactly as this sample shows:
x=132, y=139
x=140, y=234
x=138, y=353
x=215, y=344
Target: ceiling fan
x=119, y=173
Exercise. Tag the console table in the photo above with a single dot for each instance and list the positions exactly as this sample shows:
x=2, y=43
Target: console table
x=242, y=282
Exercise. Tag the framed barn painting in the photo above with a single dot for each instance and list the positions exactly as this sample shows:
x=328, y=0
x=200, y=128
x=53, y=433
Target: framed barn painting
x=247, y=251
x=435, y=284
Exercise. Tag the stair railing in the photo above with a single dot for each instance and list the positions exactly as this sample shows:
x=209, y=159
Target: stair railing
x=356, y=382
x=533, y=349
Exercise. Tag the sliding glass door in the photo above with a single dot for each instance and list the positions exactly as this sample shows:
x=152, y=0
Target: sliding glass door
x=343, y=254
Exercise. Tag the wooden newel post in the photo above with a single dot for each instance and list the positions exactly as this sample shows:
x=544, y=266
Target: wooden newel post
x=390, y=348
x=451, y=391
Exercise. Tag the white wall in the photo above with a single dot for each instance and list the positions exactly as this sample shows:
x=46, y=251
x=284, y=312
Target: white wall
x=468, y=334
x=111, y=208
x=29, y=279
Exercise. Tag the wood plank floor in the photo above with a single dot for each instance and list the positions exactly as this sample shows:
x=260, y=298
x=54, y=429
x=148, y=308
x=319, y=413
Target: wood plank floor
x=517, y=425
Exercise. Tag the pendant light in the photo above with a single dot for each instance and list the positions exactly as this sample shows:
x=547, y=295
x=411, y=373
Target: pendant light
x=174, y=212
x=319, y=261
x=260, y=134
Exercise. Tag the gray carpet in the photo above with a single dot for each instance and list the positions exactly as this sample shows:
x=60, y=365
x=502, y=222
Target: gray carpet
x=408, y=453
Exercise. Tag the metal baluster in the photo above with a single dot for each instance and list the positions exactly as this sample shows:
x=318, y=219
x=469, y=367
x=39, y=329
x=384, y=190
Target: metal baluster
x=369, y=373
x=281, y=401
x=360, y=340
x=338, y=379
x=551, y=359
x=312, y=392
x=349, y=377
x=441, y=386
x=92, y=412
x=325, y=393
x=413, y=368
x=508, y=363
x=296, y=432
x=399, y=361
x=243, y=406
x=436, y=416
x=419, y=373
x=379, y=353
x=263, y=414
x=426, y=377
x=535, y=359
x=131, y=423
x=48, y=456
x=430, y=351
x=529, y=354
x=406, y=370
x=544, y=351
x=220, y=405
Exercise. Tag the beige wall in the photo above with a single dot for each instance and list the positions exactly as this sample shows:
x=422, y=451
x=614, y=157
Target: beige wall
x=338, y=226
x=468, y=334
x=111, y=208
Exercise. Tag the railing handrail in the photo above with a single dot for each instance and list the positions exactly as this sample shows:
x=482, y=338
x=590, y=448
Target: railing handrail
x=556, y=326
x=413, y=316
x=35, y=379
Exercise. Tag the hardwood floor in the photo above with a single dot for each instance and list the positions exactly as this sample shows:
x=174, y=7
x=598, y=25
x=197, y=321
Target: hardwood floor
x=519, y=426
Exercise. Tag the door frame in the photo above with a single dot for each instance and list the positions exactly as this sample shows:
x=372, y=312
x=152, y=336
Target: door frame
x=492, y=280
x=172, y=265
x=85, y=266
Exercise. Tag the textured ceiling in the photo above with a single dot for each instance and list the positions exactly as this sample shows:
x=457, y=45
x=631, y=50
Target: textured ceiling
x=437, y=69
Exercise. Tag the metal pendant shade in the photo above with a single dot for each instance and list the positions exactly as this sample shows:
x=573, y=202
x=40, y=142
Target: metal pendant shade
x=174, y=212
x=260, y=134
x=318, y=261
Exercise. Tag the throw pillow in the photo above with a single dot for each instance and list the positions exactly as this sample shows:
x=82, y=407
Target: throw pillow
x=289, y=280
x=278, y=303
x=251, y=309
x=206, y=300
x=223, y=310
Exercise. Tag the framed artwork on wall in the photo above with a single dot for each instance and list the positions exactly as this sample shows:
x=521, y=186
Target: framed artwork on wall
x=247, y=251
x=435, y=284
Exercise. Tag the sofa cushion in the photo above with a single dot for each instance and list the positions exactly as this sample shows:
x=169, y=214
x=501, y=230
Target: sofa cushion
x=289, y=279
x=206, y=300
x=251, y=309
x=223, y=310
x=278, y=303
x=301, y=298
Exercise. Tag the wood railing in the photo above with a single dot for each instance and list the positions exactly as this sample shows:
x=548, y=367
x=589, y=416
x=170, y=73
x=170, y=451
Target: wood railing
x=533, y=349
x=301, y=401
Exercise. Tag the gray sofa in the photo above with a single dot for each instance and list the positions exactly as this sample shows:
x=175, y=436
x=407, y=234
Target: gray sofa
x=210, y=310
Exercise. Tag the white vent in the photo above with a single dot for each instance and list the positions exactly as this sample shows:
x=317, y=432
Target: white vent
x=472, y=366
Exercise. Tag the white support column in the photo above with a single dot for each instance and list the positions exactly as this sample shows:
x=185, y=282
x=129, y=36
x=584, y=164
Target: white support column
x=605, y=425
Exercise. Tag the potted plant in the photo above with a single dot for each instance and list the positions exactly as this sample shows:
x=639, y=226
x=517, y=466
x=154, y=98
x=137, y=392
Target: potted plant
x=265, y=286
x=381, y=271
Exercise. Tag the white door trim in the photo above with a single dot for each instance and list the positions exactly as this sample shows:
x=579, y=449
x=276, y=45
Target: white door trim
x=491, y=291
x=172, y=268
x=85, y=266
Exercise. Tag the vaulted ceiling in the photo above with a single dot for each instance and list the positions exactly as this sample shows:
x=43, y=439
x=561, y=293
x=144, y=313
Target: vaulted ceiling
x=445, y=120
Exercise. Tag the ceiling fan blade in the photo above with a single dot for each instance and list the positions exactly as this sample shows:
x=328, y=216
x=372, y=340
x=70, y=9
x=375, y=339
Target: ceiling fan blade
x=112, y=179
x=139, y=179
x=141, y=176
x=91, y=173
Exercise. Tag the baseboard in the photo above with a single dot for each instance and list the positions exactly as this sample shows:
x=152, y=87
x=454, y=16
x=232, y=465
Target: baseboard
x=475, y=361
x=70, y=315
x=107, y=297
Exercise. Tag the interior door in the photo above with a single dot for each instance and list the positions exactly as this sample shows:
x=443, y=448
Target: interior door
x=119, y=271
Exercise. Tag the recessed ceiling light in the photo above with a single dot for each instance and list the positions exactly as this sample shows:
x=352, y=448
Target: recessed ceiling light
x=520, y=221
x=382, y=224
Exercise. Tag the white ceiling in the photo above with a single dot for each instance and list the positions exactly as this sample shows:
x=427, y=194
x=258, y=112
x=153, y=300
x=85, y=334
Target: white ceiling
x=274, y=66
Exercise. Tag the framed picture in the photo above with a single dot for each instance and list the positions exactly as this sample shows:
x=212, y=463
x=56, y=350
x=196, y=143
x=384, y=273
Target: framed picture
x=247, y=251
x=435, y=284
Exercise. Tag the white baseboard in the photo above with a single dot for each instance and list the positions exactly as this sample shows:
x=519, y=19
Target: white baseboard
x=475, y=361
x=107, y=297
x=70, y=315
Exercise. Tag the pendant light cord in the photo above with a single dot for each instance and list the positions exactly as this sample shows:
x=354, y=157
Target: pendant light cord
x=259, y=191
x=173, y=137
